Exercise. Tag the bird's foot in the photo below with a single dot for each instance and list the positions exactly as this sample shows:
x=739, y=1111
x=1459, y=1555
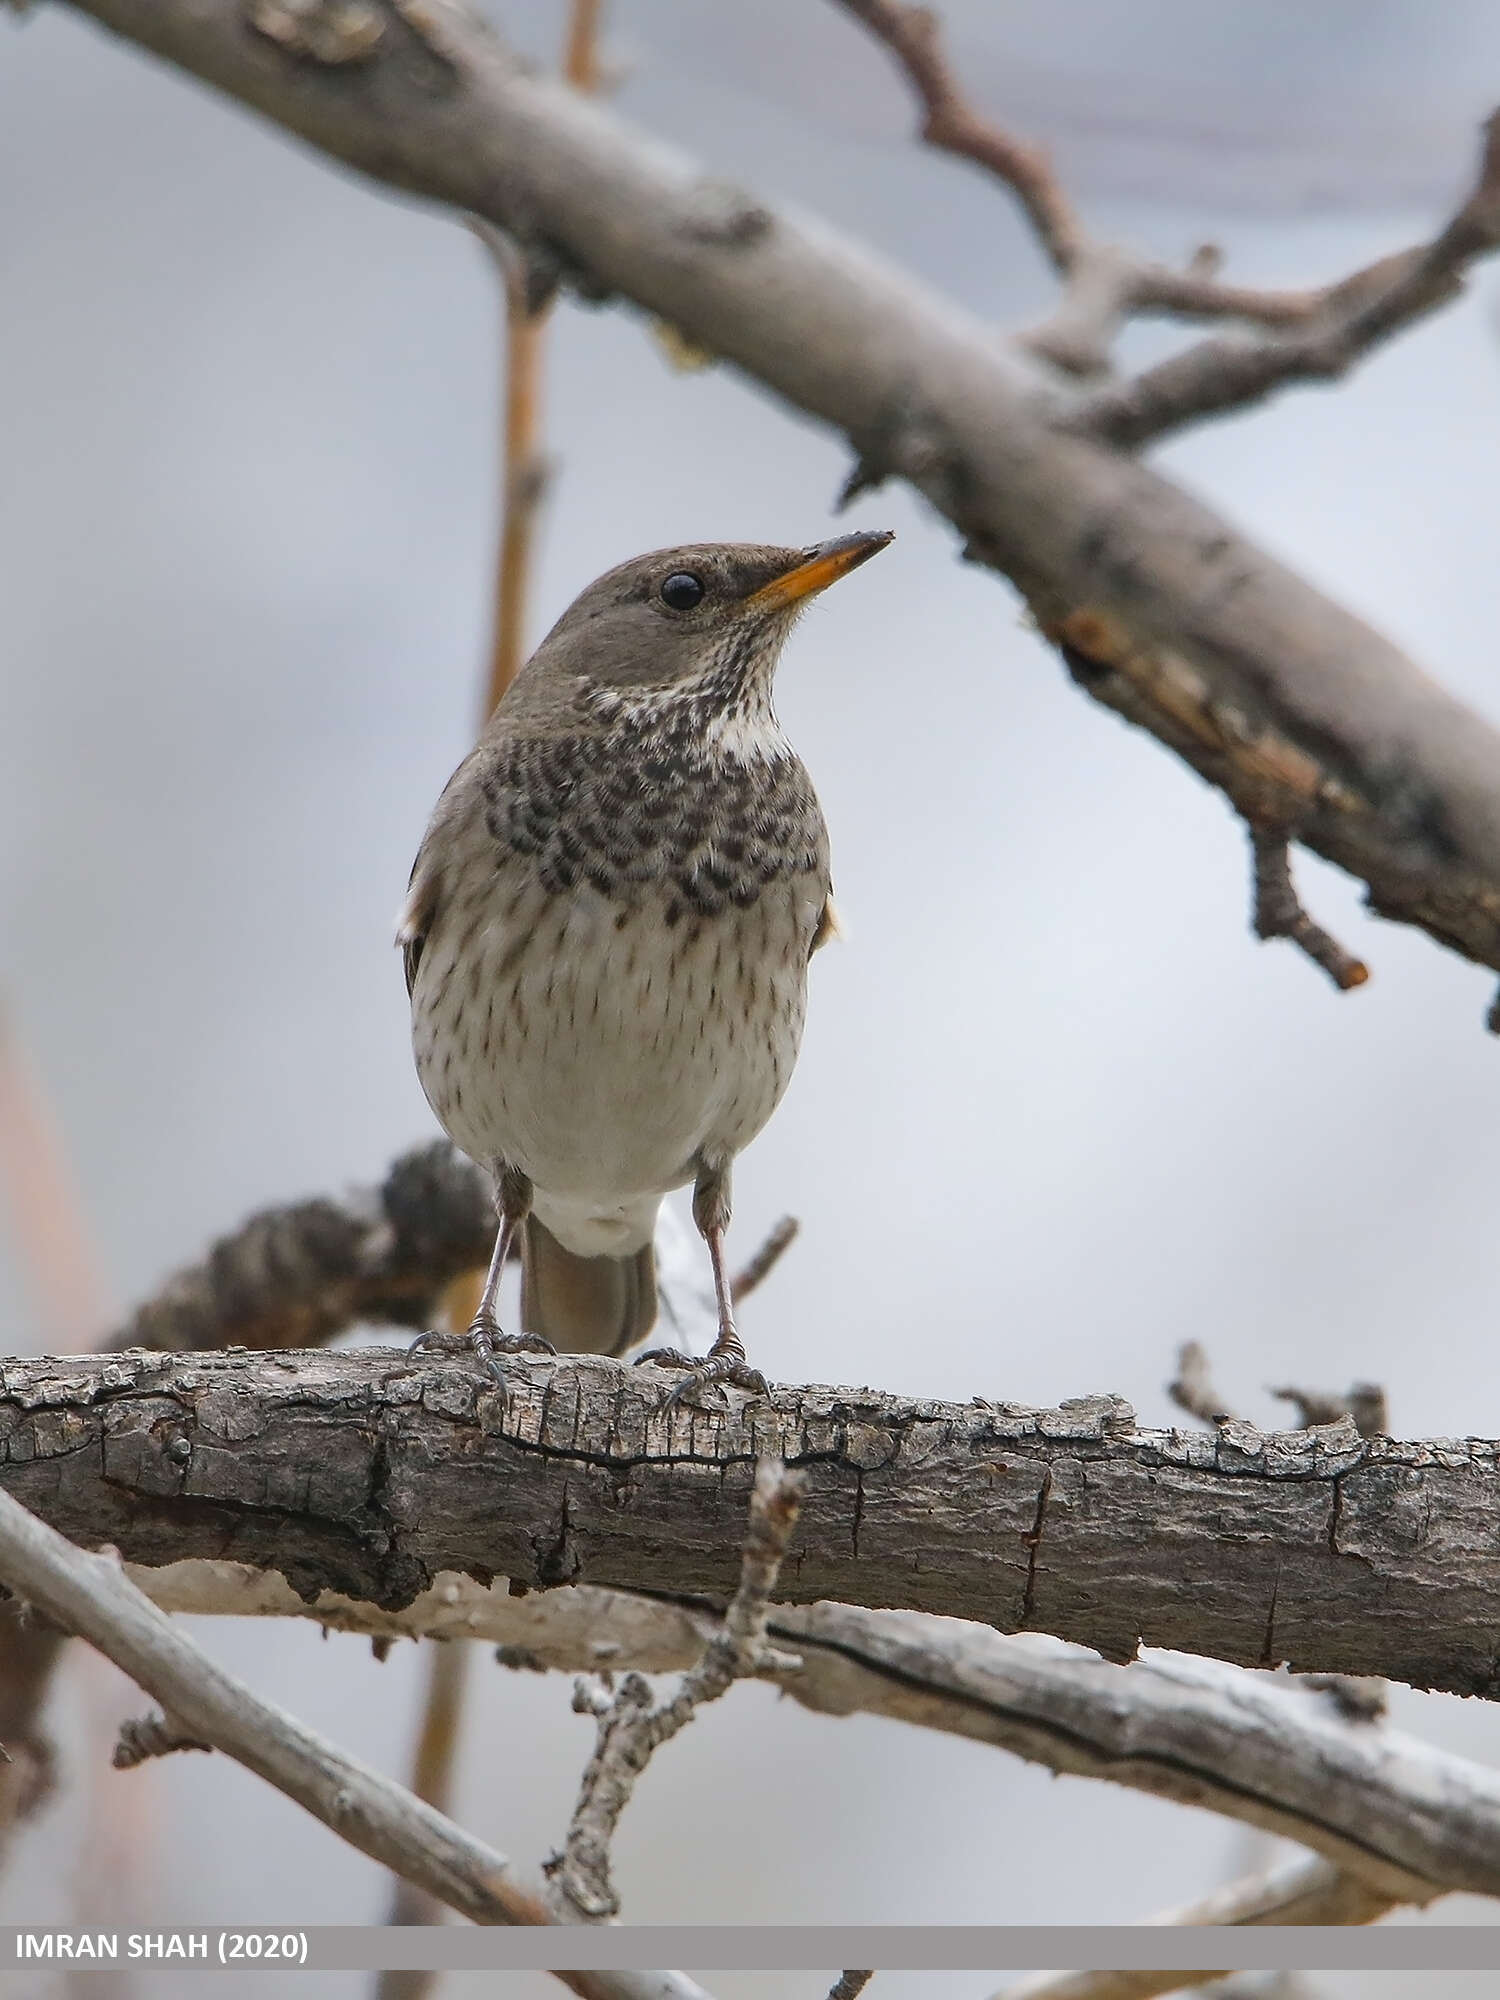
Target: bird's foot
x=484, y=1340
x=722, y=1366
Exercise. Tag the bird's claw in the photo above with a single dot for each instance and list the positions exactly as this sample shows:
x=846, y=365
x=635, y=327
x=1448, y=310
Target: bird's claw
x=483, y=1340
x=719, y=1368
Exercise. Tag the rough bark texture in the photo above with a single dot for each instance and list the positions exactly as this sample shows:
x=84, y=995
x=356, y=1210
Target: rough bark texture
x=368, y=1474
x=1307, y=719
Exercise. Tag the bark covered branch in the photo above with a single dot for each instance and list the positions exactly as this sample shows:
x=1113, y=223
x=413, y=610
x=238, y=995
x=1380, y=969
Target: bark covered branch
x=1304, y=717
x=1273, y=1751
x=369, y=1473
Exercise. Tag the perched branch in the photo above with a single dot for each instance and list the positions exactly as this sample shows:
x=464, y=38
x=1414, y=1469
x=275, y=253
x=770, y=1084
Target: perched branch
x=1297, y=1892
x=1219, y=374
x=1279, y=913
x=1300, y=713
x=849, y=1985
x=90, y=1595
x=369, y=1472
x=632, y=1728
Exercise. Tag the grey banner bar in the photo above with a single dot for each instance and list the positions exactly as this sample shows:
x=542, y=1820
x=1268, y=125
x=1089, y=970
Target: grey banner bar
x=705, y=1948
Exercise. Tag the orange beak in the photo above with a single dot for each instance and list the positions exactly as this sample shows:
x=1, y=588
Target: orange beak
x=818, y=568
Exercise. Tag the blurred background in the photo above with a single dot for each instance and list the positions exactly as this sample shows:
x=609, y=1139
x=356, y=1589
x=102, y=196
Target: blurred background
x=1056, y=1112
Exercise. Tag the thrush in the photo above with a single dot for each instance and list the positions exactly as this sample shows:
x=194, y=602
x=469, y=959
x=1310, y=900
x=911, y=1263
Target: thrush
x=608, y=931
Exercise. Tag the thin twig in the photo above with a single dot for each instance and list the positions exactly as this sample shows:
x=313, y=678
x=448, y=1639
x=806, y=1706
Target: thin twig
x=1349, y=319
x=950, y=123
x=1278, y=912
x=90, y=1595
x=1105, y=284
x=1298, y=1892
x=631, y=1729
x=764, y=1261
x=155, y=1735
x=1363, y=1402
x=1192, y=1389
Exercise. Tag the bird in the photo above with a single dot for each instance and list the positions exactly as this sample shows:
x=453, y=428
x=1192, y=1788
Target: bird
x=607, y=934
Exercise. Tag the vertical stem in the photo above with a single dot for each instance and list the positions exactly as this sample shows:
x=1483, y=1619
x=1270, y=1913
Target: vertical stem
x=431, y=1779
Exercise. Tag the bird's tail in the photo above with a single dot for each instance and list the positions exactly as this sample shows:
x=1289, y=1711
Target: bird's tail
x=585, y=1305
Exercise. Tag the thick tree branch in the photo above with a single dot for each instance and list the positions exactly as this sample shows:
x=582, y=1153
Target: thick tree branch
x=90, y=1595
x=1301, y=714
x=368, y=1473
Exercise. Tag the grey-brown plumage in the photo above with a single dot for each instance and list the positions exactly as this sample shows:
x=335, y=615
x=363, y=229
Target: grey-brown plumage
x=608, y=930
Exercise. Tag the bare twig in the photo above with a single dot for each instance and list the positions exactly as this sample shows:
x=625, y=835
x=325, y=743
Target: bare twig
x=1348, y=319
x=849, y=1985
x=1105, y=284
x=1278, y=912
x=154, y=1735
x=950, y=123
x=763, y=1262
x=1364, y=1403
x=1192, y=1389
x=1297, y=1892
x=90, y=1595
x=631, y=1729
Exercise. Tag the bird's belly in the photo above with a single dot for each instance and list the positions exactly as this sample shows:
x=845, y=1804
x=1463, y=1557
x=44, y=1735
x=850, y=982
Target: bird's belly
x=600, y=1048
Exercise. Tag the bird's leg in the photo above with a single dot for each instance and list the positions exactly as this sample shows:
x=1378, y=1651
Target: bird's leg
x=725, y=1360
x=484, y=1336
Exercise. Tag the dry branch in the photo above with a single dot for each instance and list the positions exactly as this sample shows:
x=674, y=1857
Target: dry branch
x=1296, y=1892
x=1258, y=1748
x=1300, y=713
x=1278, y=911
x=1219, y=374
x=90, y=1595
x=370, y=1472
x=631, y=1727
x=1319, y=332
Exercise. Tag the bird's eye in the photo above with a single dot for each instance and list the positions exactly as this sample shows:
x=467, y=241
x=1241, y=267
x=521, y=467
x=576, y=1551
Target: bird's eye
x=681, y=591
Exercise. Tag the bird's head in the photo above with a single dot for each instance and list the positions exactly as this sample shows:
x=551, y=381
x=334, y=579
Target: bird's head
x=710, y=616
